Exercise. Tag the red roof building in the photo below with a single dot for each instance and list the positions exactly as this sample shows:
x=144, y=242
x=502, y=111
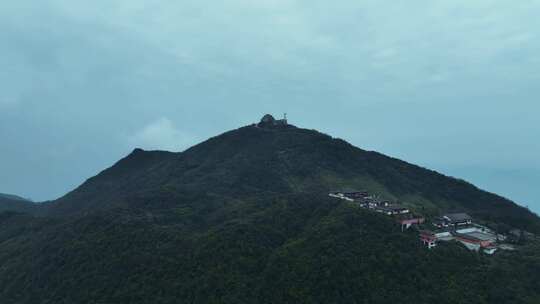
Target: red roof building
x=428, y=238
x=408, y=220
x=472, y=242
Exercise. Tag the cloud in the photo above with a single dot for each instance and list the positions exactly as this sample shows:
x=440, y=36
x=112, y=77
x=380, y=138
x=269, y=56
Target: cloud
x=161, y=135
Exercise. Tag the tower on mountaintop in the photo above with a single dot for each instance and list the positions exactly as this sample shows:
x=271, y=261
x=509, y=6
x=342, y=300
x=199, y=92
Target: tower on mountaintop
x=269, y=121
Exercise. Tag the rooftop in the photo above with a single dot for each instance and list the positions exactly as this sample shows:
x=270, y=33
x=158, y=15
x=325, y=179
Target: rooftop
x=458, y=217
x=482, y=236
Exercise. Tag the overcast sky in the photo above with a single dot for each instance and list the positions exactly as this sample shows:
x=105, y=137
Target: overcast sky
x=450, y=85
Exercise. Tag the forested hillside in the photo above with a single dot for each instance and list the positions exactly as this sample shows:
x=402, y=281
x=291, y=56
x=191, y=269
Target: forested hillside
x=254, y=161
x=290, y=249
x=245, y=217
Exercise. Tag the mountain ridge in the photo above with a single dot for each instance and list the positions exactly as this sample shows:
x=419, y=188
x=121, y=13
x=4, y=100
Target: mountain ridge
x=284, y=159
x=11, y=202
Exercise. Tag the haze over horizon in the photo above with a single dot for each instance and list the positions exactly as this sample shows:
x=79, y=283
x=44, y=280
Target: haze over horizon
x=451, y=86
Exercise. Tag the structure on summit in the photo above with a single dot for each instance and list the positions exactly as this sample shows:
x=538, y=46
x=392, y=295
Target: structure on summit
x=269, y=121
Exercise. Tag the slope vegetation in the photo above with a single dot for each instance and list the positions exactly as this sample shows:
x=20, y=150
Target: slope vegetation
x=254, y=161
x=289, y=249
x=245, y=217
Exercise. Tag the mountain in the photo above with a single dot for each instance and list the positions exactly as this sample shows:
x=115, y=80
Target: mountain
x=9, y=202
x=245, y=217
x=263, y=161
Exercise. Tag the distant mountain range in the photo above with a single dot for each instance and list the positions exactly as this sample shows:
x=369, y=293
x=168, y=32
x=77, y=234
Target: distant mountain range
x=245, y=217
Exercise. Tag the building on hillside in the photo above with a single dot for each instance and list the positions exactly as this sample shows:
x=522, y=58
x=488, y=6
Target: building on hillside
x=355, y=194
x=374, y=204
x=458, y=219
x=480, y=232
x=453, y=220
x=444, y=235
x=473, y=242
x=364, y=203
x=362, y=197
x=467, y=229
x=428, y=238
x=431, y=238
x=408, y=220
x=340, y=196
x=439, y=222
x=392, y=209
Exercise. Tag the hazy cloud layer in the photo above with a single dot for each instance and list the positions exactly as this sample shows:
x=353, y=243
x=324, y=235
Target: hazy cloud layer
x=452, y=85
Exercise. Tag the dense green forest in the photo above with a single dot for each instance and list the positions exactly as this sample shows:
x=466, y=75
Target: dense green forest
x=292, y=249
x=245, y=218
